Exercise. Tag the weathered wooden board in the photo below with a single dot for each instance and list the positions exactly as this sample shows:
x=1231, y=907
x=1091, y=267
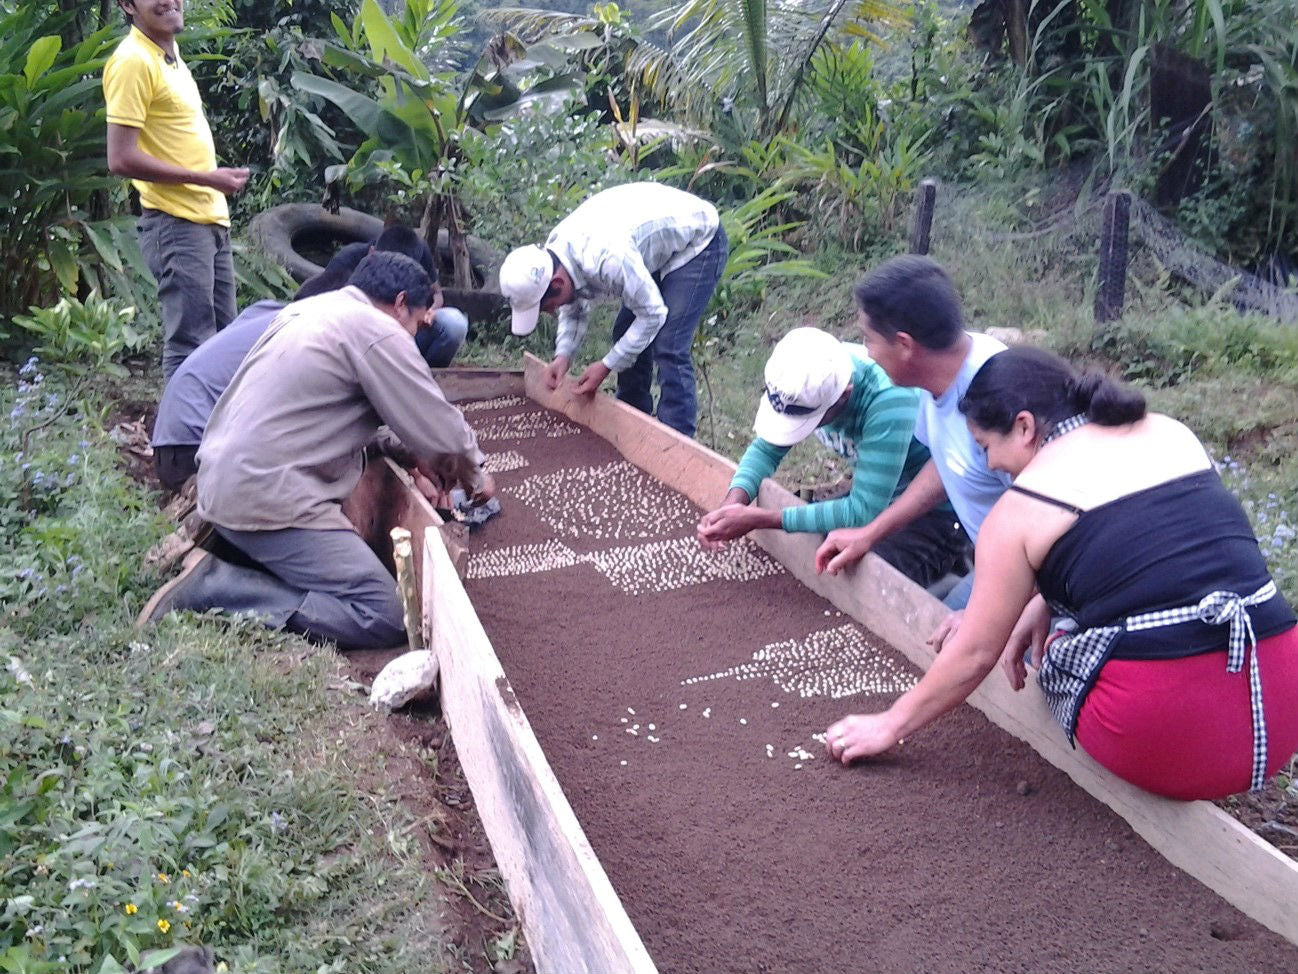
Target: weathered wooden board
x=573, y=920
x=1197, y=837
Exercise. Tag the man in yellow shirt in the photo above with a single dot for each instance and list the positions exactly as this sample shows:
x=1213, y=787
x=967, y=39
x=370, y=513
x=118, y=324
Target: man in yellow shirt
x=158, y=137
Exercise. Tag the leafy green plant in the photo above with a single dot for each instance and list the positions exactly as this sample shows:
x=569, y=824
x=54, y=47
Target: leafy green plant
x=758, y=252
x=417, y=123
x=84, y=336
x=52, y=166
x=534, y=171
x=743, y=65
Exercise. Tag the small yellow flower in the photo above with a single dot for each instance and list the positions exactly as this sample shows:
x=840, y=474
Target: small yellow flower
x=185, y=873
x=164, y=925
x=163, y=878
x=131, y=909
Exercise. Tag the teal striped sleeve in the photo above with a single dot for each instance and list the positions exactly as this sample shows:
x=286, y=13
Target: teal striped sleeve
x=882, y=444
x=759, y=461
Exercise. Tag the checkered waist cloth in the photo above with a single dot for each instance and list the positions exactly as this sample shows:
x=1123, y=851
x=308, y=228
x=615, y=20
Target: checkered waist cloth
x=1073, y=661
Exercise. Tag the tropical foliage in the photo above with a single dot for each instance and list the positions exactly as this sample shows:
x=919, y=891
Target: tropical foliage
x=52, y=172
x=735, y=66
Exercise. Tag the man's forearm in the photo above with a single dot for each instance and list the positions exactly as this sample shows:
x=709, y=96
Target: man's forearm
x=644, y=329
x=135, y=163
x=924, y=493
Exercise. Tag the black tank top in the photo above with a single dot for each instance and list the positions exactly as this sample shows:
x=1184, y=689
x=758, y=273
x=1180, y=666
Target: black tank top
x=1161, y=548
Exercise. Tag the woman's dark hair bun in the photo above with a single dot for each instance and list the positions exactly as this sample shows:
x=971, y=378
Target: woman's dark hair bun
x=1105, y=401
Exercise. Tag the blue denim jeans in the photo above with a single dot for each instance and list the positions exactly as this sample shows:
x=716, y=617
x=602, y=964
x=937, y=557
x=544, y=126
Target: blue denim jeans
x=440, y=341
x=686, y=291
x=958, y=597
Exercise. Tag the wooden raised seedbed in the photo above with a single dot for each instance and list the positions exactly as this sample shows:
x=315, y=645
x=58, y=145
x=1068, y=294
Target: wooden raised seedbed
x=570, y=913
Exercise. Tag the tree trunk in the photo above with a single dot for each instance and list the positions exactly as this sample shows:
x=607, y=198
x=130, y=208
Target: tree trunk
x=462, y=275
x=430, y=225
x=1016, y=22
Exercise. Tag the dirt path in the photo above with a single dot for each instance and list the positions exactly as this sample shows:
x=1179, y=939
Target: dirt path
x=678, y=698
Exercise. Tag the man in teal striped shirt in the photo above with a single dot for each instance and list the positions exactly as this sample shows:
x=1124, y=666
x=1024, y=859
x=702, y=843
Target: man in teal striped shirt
x=817, y=384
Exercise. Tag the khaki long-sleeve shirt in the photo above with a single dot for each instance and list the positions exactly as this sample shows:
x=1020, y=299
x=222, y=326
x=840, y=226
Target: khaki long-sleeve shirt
x=285, y=444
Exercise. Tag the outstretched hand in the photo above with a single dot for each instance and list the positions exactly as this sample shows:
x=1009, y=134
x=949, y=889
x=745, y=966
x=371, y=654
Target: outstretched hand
x=485, y=492
x=945, y=630
x=860, y=736
x=555, y=372
x=1028, y=637
x=842, y=549
x=727, y=522
x=590, y=380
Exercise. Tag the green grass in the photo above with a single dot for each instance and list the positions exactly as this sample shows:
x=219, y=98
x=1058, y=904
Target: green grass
x=203, y=781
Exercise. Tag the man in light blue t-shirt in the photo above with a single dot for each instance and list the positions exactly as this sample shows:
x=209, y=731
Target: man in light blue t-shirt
x=913, y=328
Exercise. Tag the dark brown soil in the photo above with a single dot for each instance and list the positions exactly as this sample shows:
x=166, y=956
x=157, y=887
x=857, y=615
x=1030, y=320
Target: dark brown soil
x=454, y=846
x=965, y=852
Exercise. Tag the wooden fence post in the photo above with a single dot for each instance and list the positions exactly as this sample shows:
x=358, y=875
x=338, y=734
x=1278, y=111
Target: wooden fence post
x=1112, y=287
x=925, y=201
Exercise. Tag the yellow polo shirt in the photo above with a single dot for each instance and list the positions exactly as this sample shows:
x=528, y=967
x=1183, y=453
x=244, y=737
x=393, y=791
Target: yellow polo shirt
x=144, y=92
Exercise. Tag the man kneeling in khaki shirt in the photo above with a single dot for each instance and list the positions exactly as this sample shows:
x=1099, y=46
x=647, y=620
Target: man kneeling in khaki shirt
x=285, y=447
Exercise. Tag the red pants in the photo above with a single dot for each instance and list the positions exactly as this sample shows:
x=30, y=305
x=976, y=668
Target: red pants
x=1182, y=728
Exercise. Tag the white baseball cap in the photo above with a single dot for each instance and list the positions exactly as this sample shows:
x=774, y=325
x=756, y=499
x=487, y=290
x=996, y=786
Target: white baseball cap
x=805, y=375
x=524, y=277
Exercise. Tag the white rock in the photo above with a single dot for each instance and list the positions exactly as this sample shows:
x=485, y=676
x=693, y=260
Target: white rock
x=411, y=676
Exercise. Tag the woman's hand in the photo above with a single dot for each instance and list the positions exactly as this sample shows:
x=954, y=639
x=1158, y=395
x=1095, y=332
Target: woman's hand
x=1027, y=637
x=861, y=736
x=945, y=630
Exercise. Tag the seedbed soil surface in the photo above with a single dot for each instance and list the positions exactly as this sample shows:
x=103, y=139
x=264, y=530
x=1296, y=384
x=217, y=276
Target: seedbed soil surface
x=679, y=697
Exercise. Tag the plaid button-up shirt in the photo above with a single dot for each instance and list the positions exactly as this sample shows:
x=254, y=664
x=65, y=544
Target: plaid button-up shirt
x=613, y=245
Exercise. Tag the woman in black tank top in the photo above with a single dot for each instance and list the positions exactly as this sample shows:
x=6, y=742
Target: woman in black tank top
x=1177, y=666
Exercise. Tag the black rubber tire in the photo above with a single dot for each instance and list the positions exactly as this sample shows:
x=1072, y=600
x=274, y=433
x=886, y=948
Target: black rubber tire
x=282, y=230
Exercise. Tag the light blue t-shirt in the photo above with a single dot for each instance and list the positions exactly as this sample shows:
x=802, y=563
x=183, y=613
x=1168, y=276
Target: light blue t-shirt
x=961, y=463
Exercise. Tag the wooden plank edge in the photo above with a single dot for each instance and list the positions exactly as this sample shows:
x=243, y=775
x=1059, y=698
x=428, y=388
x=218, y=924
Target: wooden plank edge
x=1196, y=837
x=570, y=913
x=460, y=384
